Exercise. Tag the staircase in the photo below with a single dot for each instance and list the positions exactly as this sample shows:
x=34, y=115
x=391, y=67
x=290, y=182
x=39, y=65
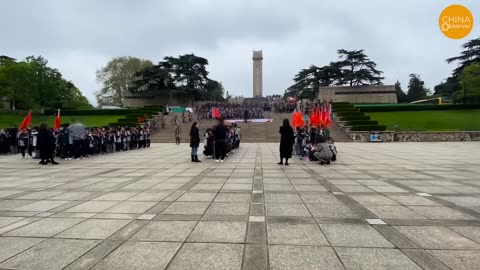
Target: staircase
x=250, y=132
x=338, y=134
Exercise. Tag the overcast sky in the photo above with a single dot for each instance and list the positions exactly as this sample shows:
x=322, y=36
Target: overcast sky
x=80, y=36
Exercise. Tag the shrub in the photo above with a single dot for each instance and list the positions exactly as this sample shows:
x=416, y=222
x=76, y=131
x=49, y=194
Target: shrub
x=96, y=112
x=356, y=113
x=363, y=123
x=355, y=117
x=124, y=124
x=416, y=107
x=368, y=128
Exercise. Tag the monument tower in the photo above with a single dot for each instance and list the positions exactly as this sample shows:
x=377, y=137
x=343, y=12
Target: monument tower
x=257, y=74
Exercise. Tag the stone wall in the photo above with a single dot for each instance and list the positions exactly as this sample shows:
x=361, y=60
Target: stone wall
x=154, y=99
x=4, y=103
x=359, y=94
x=390, y=136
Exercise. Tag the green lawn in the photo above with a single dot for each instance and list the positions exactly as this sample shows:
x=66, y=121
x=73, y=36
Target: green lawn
x=450, y=120
x=7, y=120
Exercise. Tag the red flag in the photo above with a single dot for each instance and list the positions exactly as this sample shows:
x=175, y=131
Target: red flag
x=300, y=121
x=26, y=121
x=329, y=115
x=317, y=117
x=57, y=121
x=140, y=120
x=215, y=113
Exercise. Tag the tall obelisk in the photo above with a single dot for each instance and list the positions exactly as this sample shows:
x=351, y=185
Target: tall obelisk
x=257, y=74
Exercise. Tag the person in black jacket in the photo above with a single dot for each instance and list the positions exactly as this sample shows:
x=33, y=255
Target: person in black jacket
x=220, y=135
x=46, y=145
x=194, y=141
x=286, y=142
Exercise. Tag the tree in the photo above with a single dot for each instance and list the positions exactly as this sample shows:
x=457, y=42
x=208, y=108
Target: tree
x=416, y=88
x=32, y=84
x=182, y=76
x=358, y=69
x=470, y=81
x=117, y=78
x=451, y=87
x=308, y=81
x=470, y=55
x=401, y=96
x=215, y=91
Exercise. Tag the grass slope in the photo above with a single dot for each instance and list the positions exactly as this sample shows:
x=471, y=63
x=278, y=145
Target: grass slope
x=452, y=120
x=7, y=121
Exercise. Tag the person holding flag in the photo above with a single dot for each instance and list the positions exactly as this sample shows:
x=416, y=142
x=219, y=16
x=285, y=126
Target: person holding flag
x=56, y=126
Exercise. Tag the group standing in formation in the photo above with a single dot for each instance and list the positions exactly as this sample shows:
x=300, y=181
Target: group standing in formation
x=72, y=141
x=231, y=110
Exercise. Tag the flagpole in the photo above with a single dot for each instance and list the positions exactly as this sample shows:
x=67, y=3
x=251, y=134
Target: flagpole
x=28, y=142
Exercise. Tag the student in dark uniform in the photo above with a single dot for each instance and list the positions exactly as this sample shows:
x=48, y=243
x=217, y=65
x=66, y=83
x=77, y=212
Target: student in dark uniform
x=46, y=145
x=220, y=134
x=194, y=141
x=286, y=142
x=22, y=142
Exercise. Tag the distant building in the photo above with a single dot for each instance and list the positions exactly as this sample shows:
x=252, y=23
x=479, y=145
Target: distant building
x=359, y=94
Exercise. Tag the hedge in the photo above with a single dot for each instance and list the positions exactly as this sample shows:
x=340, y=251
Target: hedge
x=19, y=112
x=125, y=124
x=363, y=123
x=344, y=114
x=355, y=117
x=97, y=112
x=368, y=128
x=417, y=107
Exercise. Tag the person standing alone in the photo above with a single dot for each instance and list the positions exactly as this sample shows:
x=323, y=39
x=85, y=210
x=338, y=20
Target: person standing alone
x=194, y=141
x=287, y=141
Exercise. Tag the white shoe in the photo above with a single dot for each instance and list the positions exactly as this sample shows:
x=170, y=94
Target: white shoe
x=221, y=161
x=217, y=161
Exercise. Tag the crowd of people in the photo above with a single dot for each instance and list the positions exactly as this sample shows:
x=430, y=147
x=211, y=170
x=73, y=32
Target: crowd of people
x=231, y=110
x=72, y=141
x=220, y=141
x=309, y=144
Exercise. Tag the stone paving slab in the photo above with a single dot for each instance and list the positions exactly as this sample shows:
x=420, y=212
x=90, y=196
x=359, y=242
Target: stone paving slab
x=380, y=206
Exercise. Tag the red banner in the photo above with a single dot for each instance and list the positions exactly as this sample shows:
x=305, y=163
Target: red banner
x=26, y=121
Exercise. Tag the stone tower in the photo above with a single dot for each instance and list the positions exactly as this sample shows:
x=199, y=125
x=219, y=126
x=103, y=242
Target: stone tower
x=257, y=74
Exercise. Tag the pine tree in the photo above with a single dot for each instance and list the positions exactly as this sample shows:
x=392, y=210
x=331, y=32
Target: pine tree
x=416, y=88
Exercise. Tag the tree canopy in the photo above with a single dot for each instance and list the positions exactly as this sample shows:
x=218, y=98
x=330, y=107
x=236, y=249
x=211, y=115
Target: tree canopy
x=353, y=69
x=32, y=84
x=117, y=78
x=401, y=96
x=416, y=88
x=182, y=76
x=452, y=87
x=470, y=79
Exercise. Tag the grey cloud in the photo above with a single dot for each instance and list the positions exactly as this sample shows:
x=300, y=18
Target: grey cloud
x=78, y=37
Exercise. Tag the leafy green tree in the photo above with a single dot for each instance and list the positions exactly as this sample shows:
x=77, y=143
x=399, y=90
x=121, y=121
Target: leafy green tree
x=182, y=76
x=358, y=69
x=215, y=91
x=401, y=96
x=470, y=81
x=416, y=88
x=451, y=87
x=117, y=78
x=308, y=81
x=32, y=84
x=470, y=55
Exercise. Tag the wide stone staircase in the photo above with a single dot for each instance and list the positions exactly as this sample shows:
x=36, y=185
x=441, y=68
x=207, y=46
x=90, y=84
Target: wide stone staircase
x=250, y=132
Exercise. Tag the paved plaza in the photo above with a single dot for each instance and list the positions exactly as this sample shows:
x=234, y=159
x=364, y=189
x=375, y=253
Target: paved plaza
x=380, y=206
